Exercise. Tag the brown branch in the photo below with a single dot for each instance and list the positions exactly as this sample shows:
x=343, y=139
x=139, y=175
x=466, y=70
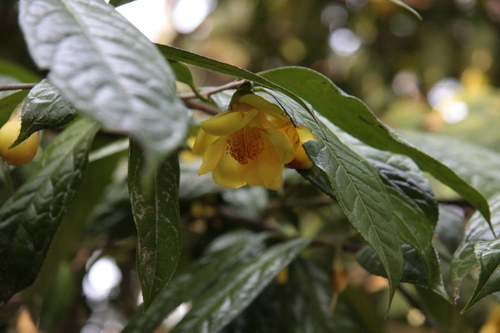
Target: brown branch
x=16, y=86
x=186, y=97
x=208, y=92
x=193, y=104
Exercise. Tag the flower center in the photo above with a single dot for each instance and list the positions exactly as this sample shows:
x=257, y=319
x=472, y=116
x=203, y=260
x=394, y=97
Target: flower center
x=245, y=144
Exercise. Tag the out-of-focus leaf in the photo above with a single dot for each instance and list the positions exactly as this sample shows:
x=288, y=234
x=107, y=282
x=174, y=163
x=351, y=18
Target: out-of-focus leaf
x=14, y=70
x=108, y=70
x=113, y=214
x=232, y=294
x=9, y=103
x=310, y=294
x=354, y=117
x=158, y=222
x=477, y=230
x=44, y=108
x=263, y=313
x=31, y=216
x=479, y=166
x=346, y=176
x=488, y=256
x=225, y=252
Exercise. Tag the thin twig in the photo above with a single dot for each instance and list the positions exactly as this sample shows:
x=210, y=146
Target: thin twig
x=186, y=97
x=193, y=104
x=208, y=92
x=16, y=86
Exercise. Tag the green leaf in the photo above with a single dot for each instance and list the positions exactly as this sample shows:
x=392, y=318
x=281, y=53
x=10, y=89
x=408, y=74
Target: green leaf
x=476, y=231
x=307, y=307
x=233, y=293
x=354, y=117
x=225, y=252
x=488, y=257
x=414, y=268
x=402, y=4
x=117, y=3
x=158, y=222
x=479, y=166
x=29, y=219
x=414, y=205
x=9, y=103
x=108, y=70
x=197, y=60
x=44, y=108
x=14, y=70
x=346, y=176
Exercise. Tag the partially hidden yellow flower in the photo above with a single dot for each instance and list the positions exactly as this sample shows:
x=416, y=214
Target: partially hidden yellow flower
x=251, y=143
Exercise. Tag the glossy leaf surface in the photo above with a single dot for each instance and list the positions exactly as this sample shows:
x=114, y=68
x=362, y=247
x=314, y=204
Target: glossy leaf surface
x=157, y=219
x=108, y=70
x=29, y=219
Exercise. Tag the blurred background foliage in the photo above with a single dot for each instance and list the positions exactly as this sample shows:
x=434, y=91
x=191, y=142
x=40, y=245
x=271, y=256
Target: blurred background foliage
x=439, y=74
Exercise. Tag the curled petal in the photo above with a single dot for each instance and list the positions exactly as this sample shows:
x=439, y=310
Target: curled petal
x=203, y=140
x=213, y=155
x=228, y=172
x=282, y=144
x=228, y=122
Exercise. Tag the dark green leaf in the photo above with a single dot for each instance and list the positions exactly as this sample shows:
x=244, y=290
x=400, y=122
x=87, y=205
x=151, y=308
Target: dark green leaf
x=413, y=202
x=414, y=269
x=29, y=219
x=232, y=294
x=341, y=173
x=225, y=252
x=488, y=257
x=44, y=108
x=158, y=223
x=117, y=3
x=477, y=230
x=450, y=230
x=310, y=293
x=477, y=165
x=108, y=70
x=354, y=117
x=9, y=103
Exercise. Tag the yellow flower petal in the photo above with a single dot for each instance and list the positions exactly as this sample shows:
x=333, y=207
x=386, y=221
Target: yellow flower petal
x=228, y=122
x=263, y=104
x=281, y=142
x=267, y=171
x=203, y=140
x=212, y=155
x=228, y=173
x=305, y=134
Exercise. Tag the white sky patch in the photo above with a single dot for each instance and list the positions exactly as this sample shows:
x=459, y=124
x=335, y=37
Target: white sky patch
x=187, y=15
x=344, y=42
x=101, y=279
x=149, y=16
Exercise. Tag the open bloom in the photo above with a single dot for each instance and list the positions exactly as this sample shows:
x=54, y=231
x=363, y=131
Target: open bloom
x=250, y=144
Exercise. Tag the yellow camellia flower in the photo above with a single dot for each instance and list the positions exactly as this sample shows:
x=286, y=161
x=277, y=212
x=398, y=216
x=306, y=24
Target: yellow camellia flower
x=250, y=144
